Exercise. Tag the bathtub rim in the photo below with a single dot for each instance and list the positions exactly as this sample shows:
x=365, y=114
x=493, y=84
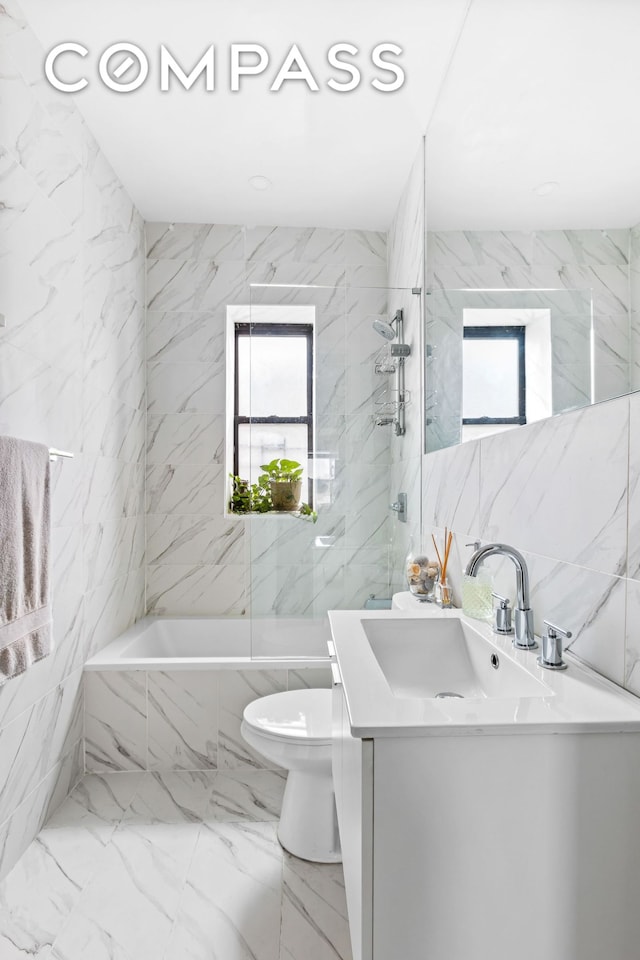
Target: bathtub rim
x=110, y=656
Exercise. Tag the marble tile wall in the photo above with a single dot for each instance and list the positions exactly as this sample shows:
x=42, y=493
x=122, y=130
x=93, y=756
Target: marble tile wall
x=199, y=560
x=180, y=720
x=71, y=376
x=634, y=285
x=587, y=264
x=565, y=492
x=406, y=270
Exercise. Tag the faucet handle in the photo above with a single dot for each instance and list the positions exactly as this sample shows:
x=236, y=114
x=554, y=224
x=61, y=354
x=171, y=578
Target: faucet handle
x=503, y=616
x=551, y=657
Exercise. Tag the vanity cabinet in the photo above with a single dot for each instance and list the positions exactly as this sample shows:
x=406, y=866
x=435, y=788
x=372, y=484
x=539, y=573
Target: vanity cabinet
x=491, y=847
x=352, y=761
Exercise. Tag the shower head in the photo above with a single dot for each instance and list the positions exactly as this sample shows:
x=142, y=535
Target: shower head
x=384, y=329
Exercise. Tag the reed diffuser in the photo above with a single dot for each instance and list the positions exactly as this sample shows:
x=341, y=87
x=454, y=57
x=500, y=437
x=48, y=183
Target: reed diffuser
x=443, y=590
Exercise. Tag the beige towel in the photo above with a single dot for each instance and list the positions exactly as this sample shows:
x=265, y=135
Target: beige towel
x=25, y=533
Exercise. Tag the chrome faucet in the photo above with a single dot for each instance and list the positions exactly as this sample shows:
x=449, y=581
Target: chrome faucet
x=524, y=638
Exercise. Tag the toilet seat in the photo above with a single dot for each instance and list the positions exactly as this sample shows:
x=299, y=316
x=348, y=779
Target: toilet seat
x=297, y=716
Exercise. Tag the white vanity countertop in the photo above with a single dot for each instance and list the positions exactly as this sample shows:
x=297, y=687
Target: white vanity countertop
x=578, y=700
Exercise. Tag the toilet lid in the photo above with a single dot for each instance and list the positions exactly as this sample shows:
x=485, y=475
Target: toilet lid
x=299, y=716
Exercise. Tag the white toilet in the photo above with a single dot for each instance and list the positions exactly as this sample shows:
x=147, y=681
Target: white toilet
x=293, y=730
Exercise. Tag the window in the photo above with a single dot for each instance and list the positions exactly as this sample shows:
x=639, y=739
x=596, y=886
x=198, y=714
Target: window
x=273, y=406
x=493, y=377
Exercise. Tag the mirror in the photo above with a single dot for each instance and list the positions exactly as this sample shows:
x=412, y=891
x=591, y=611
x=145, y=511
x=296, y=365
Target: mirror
x=533, y=220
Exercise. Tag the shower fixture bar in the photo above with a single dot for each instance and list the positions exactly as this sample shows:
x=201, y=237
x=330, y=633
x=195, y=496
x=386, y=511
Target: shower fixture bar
x=57, y=454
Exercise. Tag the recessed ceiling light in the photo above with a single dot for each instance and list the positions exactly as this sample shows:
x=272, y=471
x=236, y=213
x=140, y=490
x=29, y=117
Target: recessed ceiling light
x=544, y=189
x=260, y=183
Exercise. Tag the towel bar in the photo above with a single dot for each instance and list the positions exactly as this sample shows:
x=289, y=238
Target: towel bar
x=56, y=454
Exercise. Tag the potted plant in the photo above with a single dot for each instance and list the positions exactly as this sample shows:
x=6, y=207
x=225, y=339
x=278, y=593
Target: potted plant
x=285, y=483
x=278, y=488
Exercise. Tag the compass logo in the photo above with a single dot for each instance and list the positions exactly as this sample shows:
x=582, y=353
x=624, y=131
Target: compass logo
x=124, y=67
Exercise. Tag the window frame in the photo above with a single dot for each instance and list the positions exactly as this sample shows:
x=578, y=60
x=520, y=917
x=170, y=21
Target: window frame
x=268, y=329
x=507, y=332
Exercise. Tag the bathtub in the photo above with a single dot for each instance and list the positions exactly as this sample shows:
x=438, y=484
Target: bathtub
x=216, y=643
x=169, y=693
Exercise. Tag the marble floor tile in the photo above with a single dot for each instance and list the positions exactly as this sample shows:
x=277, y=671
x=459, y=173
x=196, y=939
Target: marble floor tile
x=179, y=866
x=314, y=912
x=230, y=907
x=246, y=795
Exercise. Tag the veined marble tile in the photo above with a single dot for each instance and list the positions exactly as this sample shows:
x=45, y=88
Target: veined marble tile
x=112, y=428
x=524, y=503
x=611, y=380
x=184, y=337
x=186, y=489
x=37, y=403
x=98, y=803
x=113, y=490
x=191, y=241
x=366, y=247
x=231, y=901
x=330, y=328
x=196, y=590
x=181, y=438
x=171, y=798
x=366, y=276
x=367, y=392
x=281, y=540
x=571, y=386
x=194, y=284
x=451, y=480
x=17, y=833
x=589, y=247
x=300, y=285
x=314, y=911
x=44, y=733
x=111, y=549
x=182, y=720
x=589, y=604
x=331, y=386
x=472, y=248
x=571, y=337
x=11, y=19
x=185, y=388
x=634, y=487
x=246, y=794
x=112, y=608
x=362, y=580
x=632, y=643
x=313, y=245
x=39, y=894
x=238, y=688
x=297, y=590
x=117, y=916
x=115, y=721
x=34, y=140
x=194, y=539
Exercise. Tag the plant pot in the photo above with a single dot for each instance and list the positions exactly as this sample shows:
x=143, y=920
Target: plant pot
x=286, y=494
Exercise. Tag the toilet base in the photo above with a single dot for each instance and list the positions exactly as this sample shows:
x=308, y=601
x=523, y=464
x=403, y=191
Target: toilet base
x=308, y=825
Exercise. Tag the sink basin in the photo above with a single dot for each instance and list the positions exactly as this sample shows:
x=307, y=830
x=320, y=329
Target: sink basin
x=445, y=658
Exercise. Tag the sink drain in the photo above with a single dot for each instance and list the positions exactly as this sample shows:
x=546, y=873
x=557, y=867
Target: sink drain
x=448, y=695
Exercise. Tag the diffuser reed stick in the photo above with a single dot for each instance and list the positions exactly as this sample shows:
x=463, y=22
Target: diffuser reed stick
x=444, y=592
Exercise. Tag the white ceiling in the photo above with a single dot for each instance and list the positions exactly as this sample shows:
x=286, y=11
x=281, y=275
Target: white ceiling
x=539, y=90
x=335, y=160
